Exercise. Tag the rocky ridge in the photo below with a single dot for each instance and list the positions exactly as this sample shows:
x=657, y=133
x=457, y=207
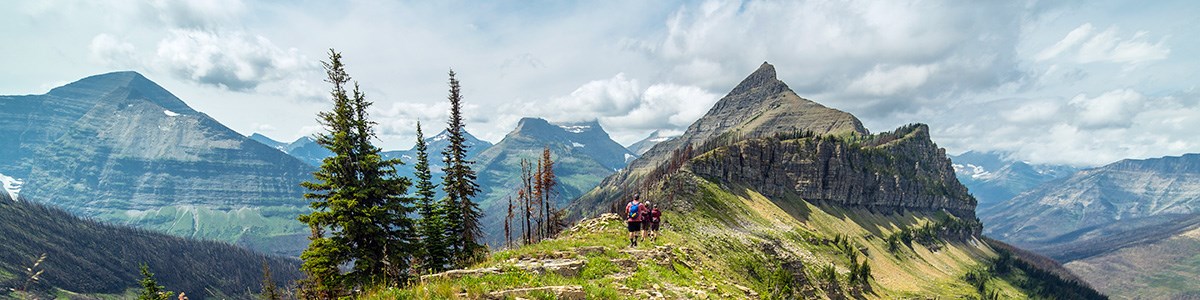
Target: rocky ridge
x=907, y=173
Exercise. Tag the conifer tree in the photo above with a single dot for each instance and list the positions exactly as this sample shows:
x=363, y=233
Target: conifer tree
x=434, y=255
x=360, y=211
x=150, y=288
x=463, y=214
x=269, y=290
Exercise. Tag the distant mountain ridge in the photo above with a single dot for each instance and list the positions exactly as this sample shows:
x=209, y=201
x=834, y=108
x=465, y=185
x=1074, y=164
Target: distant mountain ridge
x=583, y=154
x=994, y=178
x=644, y=145
x=1131, y=228
x=120, y=148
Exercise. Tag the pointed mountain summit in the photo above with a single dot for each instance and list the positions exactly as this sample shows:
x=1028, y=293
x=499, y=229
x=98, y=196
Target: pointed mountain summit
x=760, y=105
x=119, y=148
x=583, y=154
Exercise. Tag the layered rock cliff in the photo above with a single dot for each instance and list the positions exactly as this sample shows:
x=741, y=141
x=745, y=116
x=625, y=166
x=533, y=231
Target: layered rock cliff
x=768, y=138
x=907, y=173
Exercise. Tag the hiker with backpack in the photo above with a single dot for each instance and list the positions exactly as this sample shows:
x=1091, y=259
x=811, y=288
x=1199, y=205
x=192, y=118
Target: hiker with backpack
x=644, y=211
x=633, y=219
x=655, y=220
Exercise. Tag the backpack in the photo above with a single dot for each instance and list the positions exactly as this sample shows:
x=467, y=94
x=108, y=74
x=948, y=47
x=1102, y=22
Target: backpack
x=633, y=210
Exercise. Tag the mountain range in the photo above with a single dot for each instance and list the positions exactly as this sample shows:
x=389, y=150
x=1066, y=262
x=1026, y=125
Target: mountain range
x=771, y=195
x=582, y=152
x=994, y=178
x=119, y=148
x=1131, y=228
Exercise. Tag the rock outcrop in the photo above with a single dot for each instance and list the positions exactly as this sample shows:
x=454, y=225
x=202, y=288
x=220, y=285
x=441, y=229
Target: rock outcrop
x=761, y=105
x=907, y=173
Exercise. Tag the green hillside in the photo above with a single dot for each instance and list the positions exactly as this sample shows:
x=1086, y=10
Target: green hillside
x=87, y=259
x=724, y=242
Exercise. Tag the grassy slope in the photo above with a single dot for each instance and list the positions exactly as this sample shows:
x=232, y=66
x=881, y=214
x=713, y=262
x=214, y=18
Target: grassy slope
x=723, y=241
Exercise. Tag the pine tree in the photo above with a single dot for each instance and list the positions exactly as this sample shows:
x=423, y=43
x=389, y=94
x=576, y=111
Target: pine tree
x=150, y=288
x=269, y=290
x=332, y=192
x=526, y=194
x=434, y=256
x=357, y=196
x=463, y=214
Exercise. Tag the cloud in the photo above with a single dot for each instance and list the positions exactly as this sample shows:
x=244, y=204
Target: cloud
x=1082, y=130
x=1112, y=109
x=233, y=60
x=882, y=81
x=1085, y=45
x=110, y=51
x=872, y=58
x=197, y=14
x=599, y=98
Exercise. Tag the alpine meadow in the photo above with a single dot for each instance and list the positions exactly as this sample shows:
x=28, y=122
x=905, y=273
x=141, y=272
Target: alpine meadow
x=716, y=149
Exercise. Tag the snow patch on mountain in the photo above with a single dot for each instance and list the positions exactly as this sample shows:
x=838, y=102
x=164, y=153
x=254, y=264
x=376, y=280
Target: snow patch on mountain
x=11, y=185
x=975, y=172
x=576, y=128
x=441, y=137
x=170, y=113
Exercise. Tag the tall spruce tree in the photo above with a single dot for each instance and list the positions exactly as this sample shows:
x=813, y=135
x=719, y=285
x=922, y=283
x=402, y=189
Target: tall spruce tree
x=462, y=213
x=360, y=213
x=434, y=254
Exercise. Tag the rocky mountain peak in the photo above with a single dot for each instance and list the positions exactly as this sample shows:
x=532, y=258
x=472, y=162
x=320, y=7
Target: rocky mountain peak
x=764, y=76
x=761, y=105
x=123, y=85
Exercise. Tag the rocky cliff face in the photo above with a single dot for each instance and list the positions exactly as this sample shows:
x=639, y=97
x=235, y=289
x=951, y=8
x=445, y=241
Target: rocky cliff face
x=902, y=170
x=760, y=105
x=909, y=173
x=119, y=148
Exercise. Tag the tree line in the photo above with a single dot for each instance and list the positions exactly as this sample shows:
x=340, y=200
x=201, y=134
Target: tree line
x=363, y=232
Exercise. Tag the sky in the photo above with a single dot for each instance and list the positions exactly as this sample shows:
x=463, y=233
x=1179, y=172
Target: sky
x=1082, y=83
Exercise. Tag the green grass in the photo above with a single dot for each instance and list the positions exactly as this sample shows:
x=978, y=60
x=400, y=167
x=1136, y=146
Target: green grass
x=741, y=239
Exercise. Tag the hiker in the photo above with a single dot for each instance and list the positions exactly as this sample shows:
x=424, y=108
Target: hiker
x=655, y=219
x=634, y=219
x=645, y=212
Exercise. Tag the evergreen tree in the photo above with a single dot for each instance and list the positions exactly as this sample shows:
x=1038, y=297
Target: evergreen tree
x=269, y=290
x=356, y=197
x=462, y=213
x=150, y=288
x=434, y=256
